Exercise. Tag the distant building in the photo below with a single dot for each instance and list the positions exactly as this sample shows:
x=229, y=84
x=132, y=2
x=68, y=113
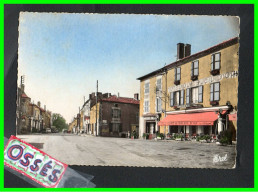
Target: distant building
x=114, y=116
x=30, y=117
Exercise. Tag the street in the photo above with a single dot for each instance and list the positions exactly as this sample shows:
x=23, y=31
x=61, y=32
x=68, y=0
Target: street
x=107, y=151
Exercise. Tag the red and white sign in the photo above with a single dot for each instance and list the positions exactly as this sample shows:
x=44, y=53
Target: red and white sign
x=33, y=163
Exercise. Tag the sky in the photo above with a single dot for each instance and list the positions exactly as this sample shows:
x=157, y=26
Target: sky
x=62, y=55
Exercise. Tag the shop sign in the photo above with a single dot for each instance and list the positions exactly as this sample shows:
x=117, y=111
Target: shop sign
x=208, y=80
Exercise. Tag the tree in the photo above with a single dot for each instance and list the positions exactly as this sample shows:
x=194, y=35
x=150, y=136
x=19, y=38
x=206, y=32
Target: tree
x=59, y=122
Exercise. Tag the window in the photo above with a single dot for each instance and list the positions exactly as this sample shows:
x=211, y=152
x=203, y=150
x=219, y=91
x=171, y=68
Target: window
x=147, y=88
x=158, y=104
x=137, y=117
x=195, y=68
x=116, y=127
x=194, y=95
x=158, y=86
x=177, y=98
x=146, y=106
x=215, y=92
x=116, y=113
x=215, y=61
x=177, y=73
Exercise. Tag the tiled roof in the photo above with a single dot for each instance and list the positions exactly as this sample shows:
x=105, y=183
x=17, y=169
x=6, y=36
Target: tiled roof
x=37, y=107
x=24, y=95
x=125, y=100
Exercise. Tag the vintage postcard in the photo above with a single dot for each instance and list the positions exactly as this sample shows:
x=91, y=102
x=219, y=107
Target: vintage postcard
x=128, y=89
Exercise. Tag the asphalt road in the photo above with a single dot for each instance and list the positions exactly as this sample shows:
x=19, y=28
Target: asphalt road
x=105, y=151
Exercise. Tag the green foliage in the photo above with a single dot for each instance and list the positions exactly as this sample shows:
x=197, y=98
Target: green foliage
x=178, y=136
x=34, y=130
x=225, y=137
x=161, y=135
x=135, y=135
x=59, y=122
x=203, y=137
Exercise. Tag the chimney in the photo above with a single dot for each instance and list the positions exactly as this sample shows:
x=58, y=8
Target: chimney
x=109, y=94
x=45, y=108
x=136, y=96
x=38, y=103
x=180, y=51
x=22, y=88
x=187, y=50
x=118, y=94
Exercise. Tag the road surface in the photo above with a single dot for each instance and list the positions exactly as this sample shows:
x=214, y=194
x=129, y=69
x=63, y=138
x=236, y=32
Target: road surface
x=107, y=151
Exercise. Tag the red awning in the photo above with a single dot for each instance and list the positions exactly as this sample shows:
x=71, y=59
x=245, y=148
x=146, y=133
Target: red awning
x=191, y=119
x=232, y=117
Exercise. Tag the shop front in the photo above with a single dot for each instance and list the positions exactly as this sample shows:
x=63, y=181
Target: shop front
x=192, y=124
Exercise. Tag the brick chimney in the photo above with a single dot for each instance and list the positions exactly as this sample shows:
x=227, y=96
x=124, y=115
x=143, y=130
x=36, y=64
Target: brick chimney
x=38, y=103
x=183, y=50
x=187, y=50
x=136, y=96
x=180, y=50
x=45, y=108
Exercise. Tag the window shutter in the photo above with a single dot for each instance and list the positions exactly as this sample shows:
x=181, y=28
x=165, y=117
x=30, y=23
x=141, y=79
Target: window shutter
x=112, y=113
x=179, y=73
x=219, y=59
x=182, y=97
x=188, y=96
x=172, y=99
x=192, y=69
x=119, y=113
x=200, y=92
x=175, y=74
x=212, y=61
x=211, y=96
x=197, y=67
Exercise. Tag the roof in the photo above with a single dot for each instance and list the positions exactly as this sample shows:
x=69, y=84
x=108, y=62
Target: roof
x=125, y=100
x=193, y=57
x=23, y=95
x=38, y=107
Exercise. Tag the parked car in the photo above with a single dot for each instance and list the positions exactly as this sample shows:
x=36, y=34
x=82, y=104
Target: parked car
x=48, y=130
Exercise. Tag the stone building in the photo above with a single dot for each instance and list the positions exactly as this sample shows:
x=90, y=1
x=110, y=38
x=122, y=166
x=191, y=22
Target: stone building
x=196, y=94
x=30, y=117
x=114, y=116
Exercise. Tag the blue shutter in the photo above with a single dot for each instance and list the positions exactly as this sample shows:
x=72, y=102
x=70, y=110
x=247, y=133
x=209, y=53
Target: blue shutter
x=182, y=96
x=192, y=69
x=172, y=99
x=188, y=96
x=200, y=92
x=211, y=92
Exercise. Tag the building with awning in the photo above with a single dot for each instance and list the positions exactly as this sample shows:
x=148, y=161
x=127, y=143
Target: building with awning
x=195, y=94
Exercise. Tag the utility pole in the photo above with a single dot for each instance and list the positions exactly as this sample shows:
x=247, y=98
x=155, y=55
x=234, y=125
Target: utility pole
x=96, y=110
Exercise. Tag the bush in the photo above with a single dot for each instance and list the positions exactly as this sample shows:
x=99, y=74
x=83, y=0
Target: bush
x=34, y=130
x=225, y=137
